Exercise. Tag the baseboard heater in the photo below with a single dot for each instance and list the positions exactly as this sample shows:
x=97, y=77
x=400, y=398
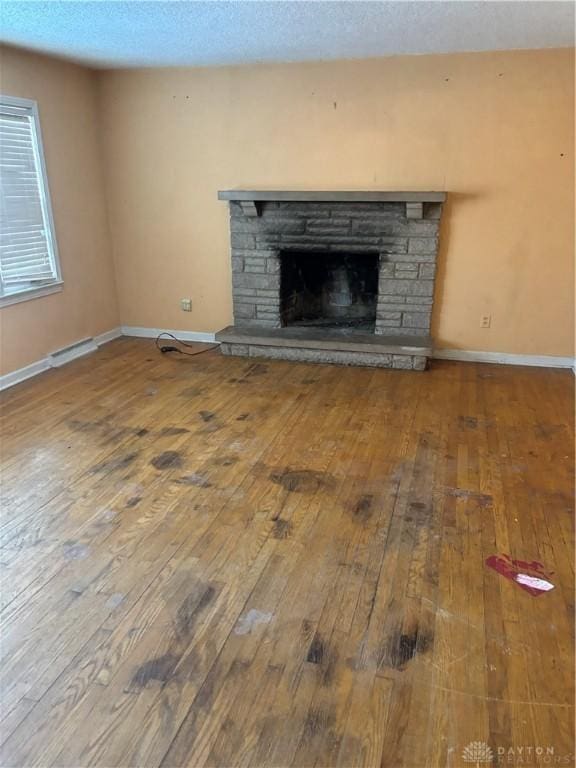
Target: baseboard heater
x=66, y=354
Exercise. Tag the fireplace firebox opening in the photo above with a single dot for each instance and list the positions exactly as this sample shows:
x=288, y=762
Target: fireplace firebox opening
x=329, y=290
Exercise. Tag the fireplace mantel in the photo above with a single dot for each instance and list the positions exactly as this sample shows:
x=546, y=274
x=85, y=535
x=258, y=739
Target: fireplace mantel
x=249, y=198
x=370, y=196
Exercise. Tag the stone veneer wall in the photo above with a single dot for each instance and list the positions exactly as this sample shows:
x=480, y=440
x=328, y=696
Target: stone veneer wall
x=407, y=247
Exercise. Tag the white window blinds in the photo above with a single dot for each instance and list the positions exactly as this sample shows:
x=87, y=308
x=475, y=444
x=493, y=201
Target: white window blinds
x=28, y=257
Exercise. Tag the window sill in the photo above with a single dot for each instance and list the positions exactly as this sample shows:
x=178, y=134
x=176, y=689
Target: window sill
x=31, y=293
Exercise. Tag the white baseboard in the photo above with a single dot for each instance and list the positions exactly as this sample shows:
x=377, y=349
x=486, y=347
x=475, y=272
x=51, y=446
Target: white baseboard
x=75, y=351
x=72, y=352
x=466, y=356
x=462, y=355
x=104, y=338
x=503, y=358
x=15, y=377
x=152, y=333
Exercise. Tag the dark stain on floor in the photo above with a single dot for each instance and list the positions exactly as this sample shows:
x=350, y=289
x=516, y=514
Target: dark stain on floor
x=160, y=669
x=406, y=649
x=105, y=430
x=300, y=480
x=329, y=664
x=206, y=415
x=191, y=608
x=281, y=528
x=205, y=695
x=548, y=431
x=468, y=422
x=115, y=464
x=419, y=513
x=173, y=431
x=167, y=460
x=404, y=646
x=362, y=510
x=78, y=425
x=257, y=369
x=133, y=502
x=243, y=417
x=316, y=650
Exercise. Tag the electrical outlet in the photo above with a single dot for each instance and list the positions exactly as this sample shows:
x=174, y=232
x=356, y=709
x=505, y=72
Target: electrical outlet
x=485, y=321
x=186, y=305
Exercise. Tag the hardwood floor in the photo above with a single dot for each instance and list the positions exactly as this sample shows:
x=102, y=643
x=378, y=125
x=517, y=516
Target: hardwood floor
x=211, y=561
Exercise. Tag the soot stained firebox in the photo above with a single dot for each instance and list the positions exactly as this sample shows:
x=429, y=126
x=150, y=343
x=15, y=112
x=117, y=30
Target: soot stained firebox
x=329, y=290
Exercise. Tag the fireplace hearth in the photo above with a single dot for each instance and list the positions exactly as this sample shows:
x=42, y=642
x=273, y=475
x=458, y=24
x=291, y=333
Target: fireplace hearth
x=341, y=277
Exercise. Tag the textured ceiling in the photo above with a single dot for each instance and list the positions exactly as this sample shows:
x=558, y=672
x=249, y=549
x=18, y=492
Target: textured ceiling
x=135, y=34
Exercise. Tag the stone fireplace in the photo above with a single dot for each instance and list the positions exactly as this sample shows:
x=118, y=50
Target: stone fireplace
x=341, y=277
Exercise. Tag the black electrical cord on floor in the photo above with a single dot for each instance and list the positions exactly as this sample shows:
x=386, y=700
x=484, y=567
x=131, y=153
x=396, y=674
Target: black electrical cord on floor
x=164, y=348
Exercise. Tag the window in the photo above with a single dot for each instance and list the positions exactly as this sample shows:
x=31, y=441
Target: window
x=28, y=256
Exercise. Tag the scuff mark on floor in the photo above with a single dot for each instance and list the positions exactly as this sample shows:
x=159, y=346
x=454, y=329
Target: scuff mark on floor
x=191, y=392
x=115, y=600
x=250, y=620
x=194, y=479
x=483, y=499
x=73, y=550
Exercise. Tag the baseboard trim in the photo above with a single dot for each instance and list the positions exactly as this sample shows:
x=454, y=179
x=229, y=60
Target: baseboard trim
x=503, y=358
x=104, y=338
x=461, y=355
x=72, y=352
x=152, y=333
x=22, y=374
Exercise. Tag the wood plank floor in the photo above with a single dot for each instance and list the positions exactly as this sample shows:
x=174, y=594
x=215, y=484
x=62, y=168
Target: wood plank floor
x=211, y=561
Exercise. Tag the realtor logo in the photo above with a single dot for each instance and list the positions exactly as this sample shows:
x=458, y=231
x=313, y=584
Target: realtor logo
x=477, y=752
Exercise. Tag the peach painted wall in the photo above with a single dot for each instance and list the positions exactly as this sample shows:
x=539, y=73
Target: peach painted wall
x=495, y=130
x=87, y=305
